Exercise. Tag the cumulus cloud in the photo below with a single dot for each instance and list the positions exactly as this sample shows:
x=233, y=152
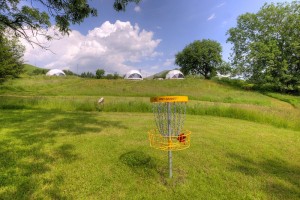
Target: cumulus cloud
x=110, y=47
x=137, y=9
x=211, y=17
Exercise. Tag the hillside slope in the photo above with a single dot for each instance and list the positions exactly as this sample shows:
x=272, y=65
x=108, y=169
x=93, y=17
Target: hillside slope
x=206, y=97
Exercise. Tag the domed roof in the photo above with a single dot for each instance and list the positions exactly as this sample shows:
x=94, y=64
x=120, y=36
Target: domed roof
x=174, y=74
x=55, y=72
x=134, y=74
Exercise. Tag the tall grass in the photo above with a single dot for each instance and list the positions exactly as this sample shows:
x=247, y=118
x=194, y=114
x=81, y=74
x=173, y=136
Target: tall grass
x=293, y=100
x=196, y=89
x=264, y=115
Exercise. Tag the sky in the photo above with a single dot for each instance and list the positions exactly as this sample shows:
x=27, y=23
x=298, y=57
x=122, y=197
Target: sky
x=145, y=37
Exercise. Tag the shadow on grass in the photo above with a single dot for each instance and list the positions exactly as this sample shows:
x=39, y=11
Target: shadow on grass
x=30, y=153
x=139, y=162
x=282, y=178
x=145, y=165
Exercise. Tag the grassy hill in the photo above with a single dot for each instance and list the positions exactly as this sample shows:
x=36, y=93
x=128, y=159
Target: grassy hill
x=57, y=143
x=206, y=98
x=29, y=69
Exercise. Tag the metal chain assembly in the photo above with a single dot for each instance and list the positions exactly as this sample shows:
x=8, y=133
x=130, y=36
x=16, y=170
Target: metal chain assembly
x=169, y=118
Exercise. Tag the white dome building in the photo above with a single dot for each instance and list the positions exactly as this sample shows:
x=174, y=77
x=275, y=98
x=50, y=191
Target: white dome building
x=174, y=74
x=55, y=72
x=133, y=75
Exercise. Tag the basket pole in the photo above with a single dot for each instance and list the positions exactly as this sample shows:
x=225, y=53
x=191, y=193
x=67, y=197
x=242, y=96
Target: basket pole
x=170, y=140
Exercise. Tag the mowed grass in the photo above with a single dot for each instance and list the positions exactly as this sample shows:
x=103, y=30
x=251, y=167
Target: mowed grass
x=56, y=142
x=48, y=154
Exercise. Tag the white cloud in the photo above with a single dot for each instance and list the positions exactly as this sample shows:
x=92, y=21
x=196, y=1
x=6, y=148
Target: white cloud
x=221, y=5
x=110, y=47
x=211, y=17
x=137, y=9
x=169, y=62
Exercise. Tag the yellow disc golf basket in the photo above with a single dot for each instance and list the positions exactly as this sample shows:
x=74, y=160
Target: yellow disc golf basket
x=169, y=113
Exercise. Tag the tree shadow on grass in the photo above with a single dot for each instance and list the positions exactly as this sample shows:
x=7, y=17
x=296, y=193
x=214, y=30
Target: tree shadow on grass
x=76, y=124
x=29, y=151
x=283, y=178
x=145, y=165
x=139, y=162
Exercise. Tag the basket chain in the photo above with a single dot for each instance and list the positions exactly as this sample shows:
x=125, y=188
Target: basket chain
x=178, y=111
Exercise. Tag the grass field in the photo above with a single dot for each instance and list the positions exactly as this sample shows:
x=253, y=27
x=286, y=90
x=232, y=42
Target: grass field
x=55, y=143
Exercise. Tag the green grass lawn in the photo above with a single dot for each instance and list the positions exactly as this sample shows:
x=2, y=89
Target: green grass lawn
x=92, y=155
x=56, y=143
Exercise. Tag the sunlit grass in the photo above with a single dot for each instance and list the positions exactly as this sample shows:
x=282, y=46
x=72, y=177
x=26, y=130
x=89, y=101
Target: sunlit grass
x=56, y=142
x=100, y=155
x=276, y=116
x=196, y=89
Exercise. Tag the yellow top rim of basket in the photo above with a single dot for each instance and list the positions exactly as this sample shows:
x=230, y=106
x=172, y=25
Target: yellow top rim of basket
x=168, y=99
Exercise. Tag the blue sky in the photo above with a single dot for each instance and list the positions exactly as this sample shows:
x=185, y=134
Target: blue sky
x=146, y=36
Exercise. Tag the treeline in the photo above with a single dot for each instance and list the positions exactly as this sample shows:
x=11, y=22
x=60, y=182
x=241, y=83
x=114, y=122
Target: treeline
x=100, y=74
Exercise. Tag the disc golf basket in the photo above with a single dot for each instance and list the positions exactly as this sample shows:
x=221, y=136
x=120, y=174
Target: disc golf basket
x=169, y=113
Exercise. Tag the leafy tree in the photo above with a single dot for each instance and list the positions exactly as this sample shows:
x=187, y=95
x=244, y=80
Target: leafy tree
x=11, y=63
x=224, y=68
x=39, y=71
x=266, y=46
x=109, y=76
x=69, y=73
x=100, y=73
x=87, y=75
x=37, y=15
x=200, y=57
x=116, y=76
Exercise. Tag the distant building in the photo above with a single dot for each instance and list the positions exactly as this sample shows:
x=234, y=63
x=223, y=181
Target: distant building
x=133, y=75
x=174, y=74
x=55, y=72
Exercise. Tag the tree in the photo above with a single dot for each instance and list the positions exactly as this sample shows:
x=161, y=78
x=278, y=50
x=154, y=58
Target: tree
x=224, y=68
x=11, y=63
x=69, y=73
x=266, y=46
x=87, y=75
x=100, y=73
x=200, y=57
x=39, y=71
x=109, y=76
x=20, y=18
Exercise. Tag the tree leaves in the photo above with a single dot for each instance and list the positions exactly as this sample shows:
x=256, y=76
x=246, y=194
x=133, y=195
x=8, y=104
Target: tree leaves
x=200, y=57
x=265, y=46
x=23, y=18
x=11, y=63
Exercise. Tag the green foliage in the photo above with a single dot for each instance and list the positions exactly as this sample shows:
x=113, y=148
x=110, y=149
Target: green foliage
x=266, y=46
x=69, y=73
x=39, y=71
x=120, y=5
x=224, y=68
x=100, y=73
x=18, y=18
x=87, y=75
x=200, y=57
x=11, y=63
x=113, y=76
